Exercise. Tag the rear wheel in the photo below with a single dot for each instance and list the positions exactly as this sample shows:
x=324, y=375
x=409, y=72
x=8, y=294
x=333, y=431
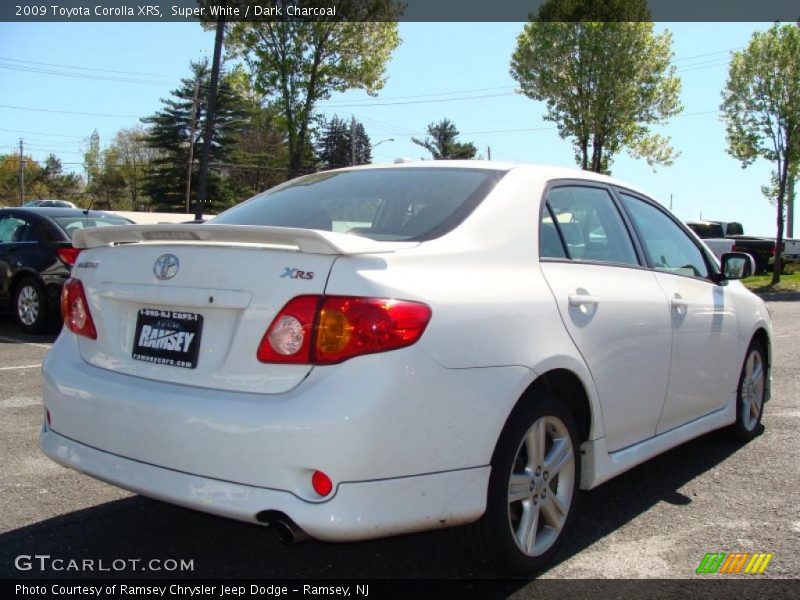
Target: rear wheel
x=532, y=488
x=750, y=394
x=31, y=308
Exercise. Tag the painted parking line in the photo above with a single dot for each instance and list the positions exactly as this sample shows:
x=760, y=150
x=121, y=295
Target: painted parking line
x=36, y=366
x=13, y=341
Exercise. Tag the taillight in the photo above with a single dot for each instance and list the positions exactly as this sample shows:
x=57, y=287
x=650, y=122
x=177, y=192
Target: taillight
x=288, y=339
x=75, y=309
x=68, y=255
x=331, y=329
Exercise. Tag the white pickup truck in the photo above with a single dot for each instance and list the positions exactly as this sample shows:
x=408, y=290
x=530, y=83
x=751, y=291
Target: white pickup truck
x=791, y=250
x=712, y=236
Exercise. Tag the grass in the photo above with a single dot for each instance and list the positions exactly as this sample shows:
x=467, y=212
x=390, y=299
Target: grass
x=763, y=283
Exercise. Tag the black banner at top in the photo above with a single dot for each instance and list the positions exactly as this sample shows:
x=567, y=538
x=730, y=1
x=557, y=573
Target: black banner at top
x=362, y=10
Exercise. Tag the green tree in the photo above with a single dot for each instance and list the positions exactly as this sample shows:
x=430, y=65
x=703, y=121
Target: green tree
x=134, y=160
x=573, y=11
x=335, y=146
x=9, y=178
x=298, y=62
x=107, y=186
x=761, y=109
x=57, y=183
x=260, y=156
x=604, y=83
x=442, y=143
x=177, y=129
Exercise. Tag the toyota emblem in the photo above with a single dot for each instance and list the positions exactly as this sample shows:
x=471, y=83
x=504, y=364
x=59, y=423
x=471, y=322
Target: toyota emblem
x=166, y=266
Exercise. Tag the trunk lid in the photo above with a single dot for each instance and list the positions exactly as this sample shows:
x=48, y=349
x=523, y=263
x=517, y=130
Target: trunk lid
x=189, y=304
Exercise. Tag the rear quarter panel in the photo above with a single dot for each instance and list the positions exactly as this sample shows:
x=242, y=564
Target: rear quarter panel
x=491, y=306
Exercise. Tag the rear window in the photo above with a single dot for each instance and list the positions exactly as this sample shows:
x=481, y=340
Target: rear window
x=382, y=204
x=73, y=224
x=707, y=230
x=734, y=228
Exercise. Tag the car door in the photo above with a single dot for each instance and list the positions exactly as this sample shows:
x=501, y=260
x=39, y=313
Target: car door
x=12, y=229
x=611, y=305
x=705, y=328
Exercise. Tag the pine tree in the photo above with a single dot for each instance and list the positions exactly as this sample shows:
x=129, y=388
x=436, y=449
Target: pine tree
x=442, y=143
x=176, y=128
x=334, y=149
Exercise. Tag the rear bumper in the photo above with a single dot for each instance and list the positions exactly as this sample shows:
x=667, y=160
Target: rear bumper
x=357, y=511
x=405, y=441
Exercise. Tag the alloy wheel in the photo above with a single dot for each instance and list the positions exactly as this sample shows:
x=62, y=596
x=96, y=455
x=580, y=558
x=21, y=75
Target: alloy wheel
x=28, y=305
x=541, y=485
x=752, y=390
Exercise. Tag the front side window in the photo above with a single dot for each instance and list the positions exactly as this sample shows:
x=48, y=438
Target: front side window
x=382, y=204
x=589, y=224
x=666, y=245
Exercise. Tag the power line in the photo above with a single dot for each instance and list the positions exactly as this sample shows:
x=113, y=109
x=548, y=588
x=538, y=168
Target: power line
x=701, y=68
x=416, y=101
x=33, y=62
x=67, y=112
x=434, y=94
x=45, y=134
x=80, y=75
x=684, y=58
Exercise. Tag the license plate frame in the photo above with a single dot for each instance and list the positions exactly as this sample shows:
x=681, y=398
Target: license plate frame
x=167, y=337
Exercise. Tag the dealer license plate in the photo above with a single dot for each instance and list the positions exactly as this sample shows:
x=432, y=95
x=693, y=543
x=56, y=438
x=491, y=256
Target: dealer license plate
x=168, y=337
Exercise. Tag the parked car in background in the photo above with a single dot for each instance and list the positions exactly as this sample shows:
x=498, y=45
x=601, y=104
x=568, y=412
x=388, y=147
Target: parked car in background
x=36, y=256
x=718, y=232
x=485, y=340
x=49, y=204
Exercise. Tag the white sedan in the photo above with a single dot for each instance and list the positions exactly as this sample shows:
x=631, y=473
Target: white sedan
x=389, y=349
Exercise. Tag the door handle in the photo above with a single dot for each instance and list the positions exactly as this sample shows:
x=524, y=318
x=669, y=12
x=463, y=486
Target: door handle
x=678, y=303
x=582, y=300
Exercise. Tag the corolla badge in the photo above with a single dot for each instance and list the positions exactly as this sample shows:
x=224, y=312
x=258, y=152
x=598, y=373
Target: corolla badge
x=166, y=266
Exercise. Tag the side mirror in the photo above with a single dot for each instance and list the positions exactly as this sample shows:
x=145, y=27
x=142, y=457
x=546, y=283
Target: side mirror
x=737, y=265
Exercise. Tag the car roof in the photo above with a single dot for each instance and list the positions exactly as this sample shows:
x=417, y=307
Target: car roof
x=52, y=211
x=545, y=172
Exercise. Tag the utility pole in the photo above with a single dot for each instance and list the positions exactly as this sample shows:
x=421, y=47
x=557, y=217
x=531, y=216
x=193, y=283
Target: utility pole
x=352, y=140
x=488, y=153
x=192, y=131
x=211, y=109
x=21, y=174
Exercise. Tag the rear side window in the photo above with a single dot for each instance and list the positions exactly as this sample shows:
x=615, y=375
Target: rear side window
x=382, y=204
x=73, y=224
x=589, y=224
x=12, y=229
x=666, y=245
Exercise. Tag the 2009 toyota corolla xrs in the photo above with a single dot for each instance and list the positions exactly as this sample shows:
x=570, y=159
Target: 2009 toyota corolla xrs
x=389, y=349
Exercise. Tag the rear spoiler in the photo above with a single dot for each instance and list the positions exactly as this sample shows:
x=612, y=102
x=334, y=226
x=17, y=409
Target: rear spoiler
x=309, y=241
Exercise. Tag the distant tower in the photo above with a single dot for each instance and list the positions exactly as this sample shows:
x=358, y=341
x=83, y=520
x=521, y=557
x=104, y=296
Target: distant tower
x=92, y=161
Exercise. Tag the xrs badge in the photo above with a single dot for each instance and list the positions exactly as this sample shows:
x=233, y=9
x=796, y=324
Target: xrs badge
x=297, y=273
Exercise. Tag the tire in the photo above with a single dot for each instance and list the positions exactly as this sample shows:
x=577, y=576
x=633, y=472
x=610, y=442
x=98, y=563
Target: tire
x=528, y=516
x=31, y=308
x=750, y=394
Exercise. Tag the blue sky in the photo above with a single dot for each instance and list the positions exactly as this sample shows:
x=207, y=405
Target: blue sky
x=454, y=70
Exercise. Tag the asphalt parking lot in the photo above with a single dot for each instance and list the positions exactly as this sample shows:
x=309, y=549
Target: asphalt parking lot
x=656, y=521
